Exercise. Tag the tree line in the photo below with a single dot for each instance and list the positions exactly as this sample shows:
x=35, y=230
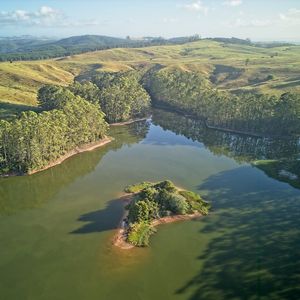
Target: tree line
x=119, y=95
x=191, y=94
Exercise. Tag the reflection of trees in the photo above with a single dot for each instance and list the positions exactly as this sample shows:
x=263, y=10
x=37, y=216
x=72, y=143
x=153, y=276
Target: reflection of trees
x=239, y=147
x=274, y=169
x=17, y=193
x=254, y=252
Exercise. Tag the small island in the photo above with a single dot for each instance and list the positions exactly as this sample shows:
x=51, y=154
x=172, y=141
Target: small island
x=150, y=204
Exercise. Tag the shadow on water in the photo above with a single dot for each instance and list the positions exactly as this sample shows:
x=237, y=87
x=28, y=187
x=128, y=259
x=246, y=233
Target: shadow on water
x=255, y=254
x=102, y=220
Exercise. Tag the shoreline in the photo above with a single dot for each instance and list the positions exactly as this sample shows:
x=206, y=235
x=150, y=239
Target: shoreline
x=239, y=132
x=77, y=150
x=129, y=122
x=119, y=239
x=233, y=131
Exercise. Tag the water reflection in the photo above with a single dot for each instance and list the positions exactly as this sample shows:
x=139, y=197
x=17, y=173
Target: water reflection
x=240, y=147
x=274, y=156
x=24, y=192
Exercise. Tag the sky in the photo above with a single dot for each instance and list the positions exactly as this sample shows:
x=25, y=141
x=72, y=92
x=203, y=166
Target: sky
x=259, y=20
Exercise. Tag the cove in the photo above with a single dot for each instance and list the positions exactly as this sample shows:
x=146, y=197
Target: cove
x=57, y=226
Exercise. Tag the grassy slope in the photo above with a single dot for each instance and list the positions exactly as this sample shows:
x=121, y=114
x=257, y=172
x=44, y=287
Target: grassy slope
x=19, y=81
x=224, y=63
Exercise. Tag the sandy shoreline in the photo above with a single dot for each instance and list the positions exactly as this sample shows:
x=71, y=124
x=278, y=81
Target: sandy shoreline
x=77, y=150
x=120, y=237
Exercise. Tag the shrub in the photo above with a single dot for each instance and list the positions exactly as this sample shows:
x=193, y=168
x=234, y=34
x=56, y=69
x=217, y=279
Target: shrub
x=149, y=193
x=139, y=234
x=195, y=202
x=177, y=204
x=135, y=188
x=166, y=185
x=143, y=211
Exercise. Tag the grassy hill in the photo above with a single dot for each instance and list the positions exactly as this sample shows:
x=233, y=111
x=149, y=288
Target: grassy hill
x=233, y=67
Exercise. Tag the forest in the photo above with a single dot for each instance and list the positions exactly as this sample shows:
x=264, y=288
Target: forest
x=69, y=117
x=191, y=94
x=153, y=201
x=126, y=95
x=34, y=140
x=120, y=96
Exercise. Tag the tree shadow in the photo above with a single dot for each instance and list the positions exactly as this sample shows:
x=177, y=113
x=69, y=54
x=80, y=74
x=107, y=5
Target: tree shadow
x=104, y=219
x=10, y=110
x=255, y=254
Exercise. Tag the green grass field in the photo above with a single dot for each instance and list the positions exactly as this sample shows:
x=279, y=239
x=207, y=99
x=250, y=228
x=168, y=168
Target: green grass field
x=229, y=66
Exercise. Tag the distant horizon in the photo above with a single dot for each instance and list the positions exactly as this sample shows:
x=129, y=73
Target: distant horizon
x=266, y=20
x=49, y=37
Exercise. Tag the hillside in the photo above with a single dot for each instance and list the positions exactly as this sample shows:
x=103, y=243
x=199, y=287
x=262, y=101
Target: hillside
x=31, y=48
x=19, y=44
x=35, y=48
x=233, y=67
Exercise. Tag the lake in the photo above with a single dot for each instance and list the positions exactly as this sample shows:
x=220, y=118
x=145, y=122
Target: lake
x=57, y=226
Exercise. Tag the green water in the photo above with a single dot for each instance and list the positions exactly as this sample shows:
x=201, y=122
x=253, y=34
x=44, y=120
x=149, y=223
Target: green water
x=56, y=227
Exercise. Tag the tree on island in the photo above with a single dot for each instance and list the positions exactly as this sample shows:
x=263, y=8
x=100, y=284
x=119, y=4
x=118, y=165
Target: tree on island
x=153, y=201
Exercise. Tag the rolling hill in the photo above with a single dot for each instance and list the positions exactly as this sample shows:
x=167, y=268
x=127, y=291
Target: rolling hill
x=31, y=48
x=234, y=67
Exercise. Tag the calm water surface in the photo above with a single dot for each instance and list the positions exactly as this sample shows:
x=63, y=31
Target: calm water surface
x=56, y=227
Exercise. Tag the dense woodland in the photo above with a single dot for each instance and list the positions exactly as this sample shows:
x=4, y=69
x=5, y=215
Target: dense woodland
x=35, y=139
x=70, y=117
x=120, y=96
x=191, y=94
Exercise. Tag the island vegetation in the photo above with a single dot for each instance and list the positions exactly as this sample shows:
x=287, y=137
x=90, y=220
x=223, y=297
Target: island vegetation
x=156, y=203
